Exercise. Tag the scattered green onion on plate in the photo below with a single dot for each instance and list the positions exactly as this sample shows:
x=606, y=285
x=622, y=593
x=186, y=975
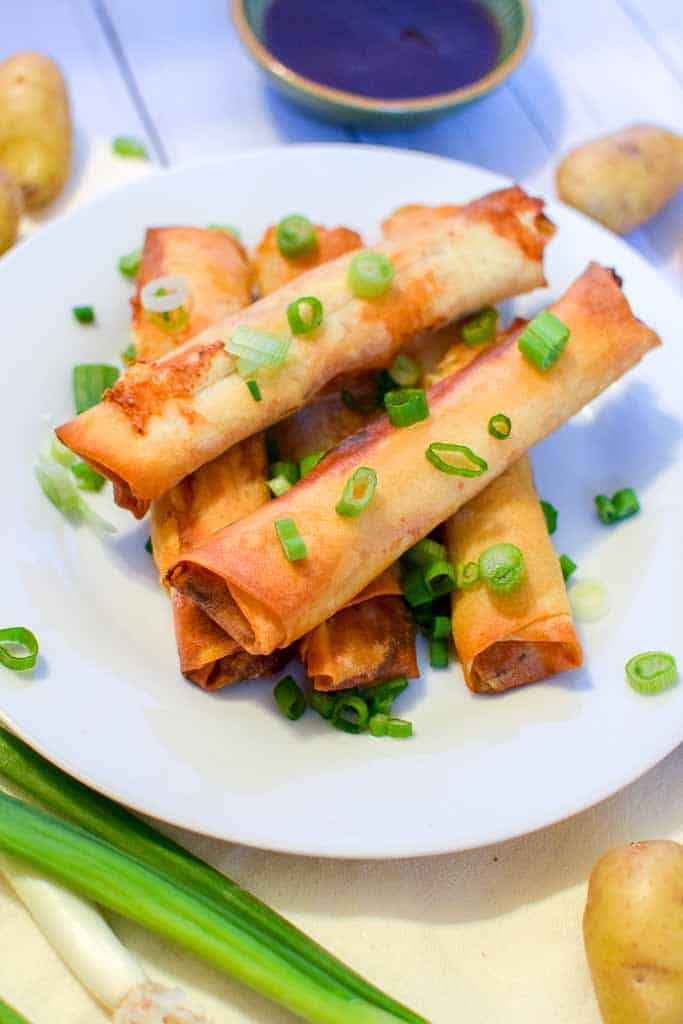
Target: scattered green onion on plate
x=651, y=672
x=90, y=381
x=125, y=145
x=129, y=263
x=567, y=565
x=551, y=514
x=84, y=314
x=290, y=698
x=14, y=639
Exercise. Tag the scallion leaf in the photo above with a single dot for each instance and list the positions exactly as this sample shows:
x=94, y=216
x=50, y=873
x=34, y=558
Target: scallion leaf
x=625, y=503
x=370, y=274
x=440, y=627
x=399, y=728
x=304, y=314
x=550, y=513
x=500, y=426
x=84, y=314
x=440, y=578
x=290, y=698
x=381, y=696
x=58, y=486
x=254, y=390
x=425, y=552
x=125, y=145
x=308, y=463
x=90, y=381
x=415, y=590
x=406, y=406
x=10, y=639
x=502, y=567
x=567, y=566
x=288, y=469
x=404, y=371
x=543, y=340
x=278, y=485
x=60, y=453
x=87, y=478
x=651, y=672
x=481, y=328
x=73, y=801
x=296, y=236
x=148, y=546
x=350, y=714
x=323, y=703
x=358, y=492
x=291, y=540
x=480, y=465
x=438, y=653
x=255, y=349
x=129, y=264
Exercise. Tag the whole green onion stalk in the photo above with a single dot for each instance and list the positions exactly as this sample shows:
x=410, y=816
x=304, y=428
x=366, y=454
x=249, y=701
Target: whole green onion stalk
x=115, y=825
x=102, y=873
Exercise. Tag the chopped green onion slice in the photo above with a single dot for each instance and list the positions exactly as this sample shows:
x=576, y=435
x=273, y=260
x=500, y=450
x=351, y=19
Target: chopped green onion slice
x=550, y=513
x=255, y=349
x=447, y=467
x=87, y=478
x=441, y=627
x=289, y=470
x=290, y=698
x=480, y=328
x=304, y=314
x=406, y=406
x=229, y=229
x=438, y=653
x=129, y=265
x=606, y=511
x=625, y=503
x=84, y=314
x=308, y=463
x=129, y=355
x=171, y=320
x=425, y=552
x=404, y=371
x=296, y=236
x=466, y=575
x=502, y=567
x=90, y=381
x=379, y=724
x=291, y=540
x=651, y=672
x=500, y=426
x=350, y=714
x=254, y=390
x=358, y=492
x=323, y=703
x=14, y=636
x=589, y=600
x=543, y=340
x=58, y=486
x=567, y=565
x=440, y=578
x=278, y=485
x=381, y=696
x=370, y=274
x=415, y=590
x=124, y=145
x=60, y=453
x=148, y=546
x=399, y=728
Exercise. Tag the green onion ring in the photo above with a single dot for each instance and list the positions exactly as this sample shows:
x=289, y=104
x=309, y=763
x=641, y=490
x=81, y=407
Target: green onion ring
x=446, y=467
x=651, y=672
x=500, y=426
x=25, y=638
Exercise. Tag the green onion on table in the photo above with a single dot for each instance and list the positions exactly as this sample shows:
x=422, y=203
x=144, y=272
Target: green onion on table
x=154, y=864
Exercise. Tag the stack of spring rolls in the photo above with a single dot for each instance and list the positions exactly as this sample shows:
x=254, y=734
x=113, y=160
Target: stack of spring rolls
x=181, y=432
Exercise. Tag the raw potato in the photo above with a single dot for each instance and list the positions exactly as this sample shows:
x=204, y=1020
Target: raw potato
x=633, y=933
x=622, y=180
x=35, y=126
x=11, y=205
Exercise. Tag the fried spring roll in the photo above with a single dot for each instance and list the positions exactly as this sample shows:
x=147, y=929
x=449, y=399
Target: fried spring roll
x=230, y=487
x=163, y=420
x=272, y=270
x=521, y=637
x=217, y=271
x=241, y=576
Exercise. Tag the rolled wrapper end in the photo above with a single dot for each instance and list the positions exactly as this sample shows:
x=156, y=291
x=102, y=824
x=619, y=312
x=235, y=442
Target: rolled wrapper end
x=540, y=650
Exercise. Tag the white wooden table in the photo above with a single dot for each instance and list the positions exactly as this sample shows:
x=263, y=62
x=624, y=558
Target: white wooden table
x=490, y=932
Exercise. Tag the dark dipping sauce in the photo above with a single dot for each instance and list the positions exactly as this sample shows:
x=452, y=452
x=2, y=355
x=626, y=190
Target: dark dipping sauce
x=386, y=49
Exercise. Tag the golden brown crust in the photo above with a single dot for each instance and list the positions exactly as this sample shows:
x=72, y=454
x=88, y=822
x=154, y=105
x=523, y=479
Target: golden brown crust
x=272, y=270
x=269, y=602
x=458, y=265
x=414, y=217
x=362, y=644
x=218, y=277
x=513, y=639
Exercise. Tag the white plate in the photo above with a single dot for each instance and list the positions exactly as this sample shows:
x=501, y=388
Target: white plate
x=107, y=702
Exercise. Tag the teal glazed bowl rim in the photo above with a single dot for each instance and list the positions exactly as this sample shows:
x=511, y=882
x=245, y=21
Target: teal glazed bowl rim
x=321, y=97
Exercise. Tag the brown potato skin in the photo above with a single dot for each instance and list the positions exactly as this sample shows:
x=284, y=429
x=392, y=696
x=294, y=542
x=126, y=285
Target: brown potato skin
x=11, y=206
x=622, y=180
x=35, y=126
x=633, y=933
